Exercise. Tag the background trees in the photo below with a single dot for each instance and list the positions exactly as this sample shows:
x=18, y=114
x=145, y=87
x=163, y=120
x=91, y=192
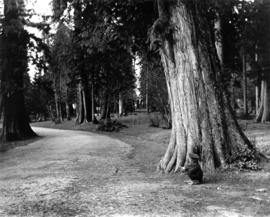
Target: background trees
x=61, y=70
x=153, y=88
x=104, y=58
x=39, y=97
x=258, y=34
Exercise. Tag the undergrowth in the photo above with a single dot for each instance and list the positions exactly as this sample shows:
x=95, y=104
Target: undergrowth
x=245, y=159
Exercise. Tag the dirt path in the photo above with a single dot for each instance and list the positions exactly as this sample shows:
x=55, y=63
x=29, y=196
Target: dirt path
x=49, y=175
x=74, y=173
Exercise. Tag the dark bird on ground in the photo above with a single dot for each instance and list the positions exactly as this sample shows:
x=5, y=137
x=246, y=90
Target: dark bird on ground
x=193, y=169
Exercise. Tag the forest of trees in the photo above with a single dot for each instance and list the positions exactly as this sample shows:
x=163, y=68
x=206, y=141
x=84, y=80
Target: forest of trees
x=202, y=62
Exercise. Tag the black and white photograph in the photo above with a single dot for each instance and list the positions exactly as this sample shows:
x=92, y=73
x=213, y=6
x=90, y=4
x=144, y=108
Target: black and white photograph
x=134, y=108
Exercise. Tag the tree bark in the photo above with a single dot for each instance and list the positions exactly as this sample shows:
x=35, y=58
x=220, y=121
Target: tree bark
x=51, y=112
x=87, y=99
x=105, y=106
x=218, y=39
x=84, y=106
x=58, y=119
x=257, y=87
x=260, y=109
x=93, y=103
x=1, y=105
x=263, y=114
x=266, y=101
x=68, y=112
x=13, y=51
x=202, y=117
x=85, y=109
x=121, y=104
x=263, y=58
x=147, y=91
x=80, y=108
x=244, y=84
x=257, y=98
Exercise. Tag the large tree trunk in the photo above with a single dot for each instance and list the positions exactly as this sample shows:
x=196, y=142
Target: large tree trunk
x=202, y=116
x=13, y=51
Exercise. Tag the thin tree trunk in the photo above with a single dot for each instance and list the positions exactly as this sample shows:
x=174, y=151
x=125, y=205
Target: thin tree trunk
x=84, y=105
x=60, y=99
x=232, y=95
x=80, y=108
x=147, y=91
x=51, y=112
x=60, y=112
x=108, y=108
x=257, y=87
x=244, y=85
x=85, y=113
x=58, y=120
x=203, y=121
x=121, y=104
x=218, y=39
x=68, y=111
x=257, y=99
x=87, y=100
x=266, y=100
x=1, y=101
x=105, y=104
x=115, y=110
x=93, y=103
x=261, y=107
x=263, y=113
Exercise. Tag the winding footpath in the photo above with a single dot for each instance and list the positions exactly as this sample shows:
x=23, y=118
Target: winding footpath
x=46, y=177
x=81, y=174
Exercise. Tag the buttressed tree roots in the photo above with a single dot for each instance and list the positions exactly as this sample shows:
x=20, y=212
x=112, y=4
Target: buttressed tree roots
x=202, y=116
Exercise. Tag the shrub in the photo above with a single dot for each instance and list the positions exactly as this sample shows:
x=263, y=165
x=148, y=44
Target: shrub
x=110, y=126
x=155, y=120
x=245, y=159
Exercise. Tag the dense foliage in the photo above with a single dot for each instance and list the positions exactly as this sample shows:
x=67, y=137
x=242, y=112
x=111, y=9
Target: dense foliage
x=89, y=59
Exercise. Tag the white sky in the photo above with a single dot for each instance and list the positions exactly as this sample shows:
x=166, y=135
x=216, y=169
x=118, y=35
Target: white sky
x=41, y=7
